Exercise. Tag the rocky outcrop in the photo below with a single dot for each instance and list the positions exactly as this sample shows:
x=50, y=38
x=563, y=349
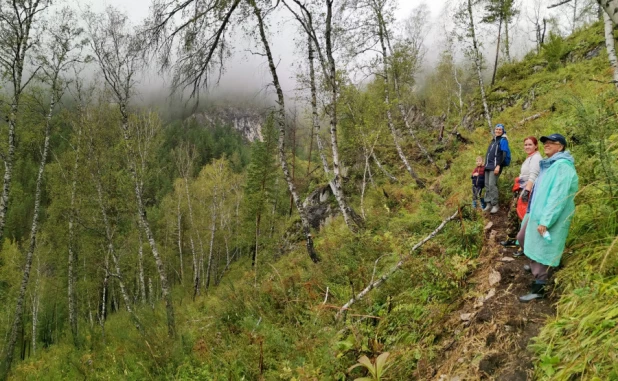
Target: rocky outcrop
x=244, y=120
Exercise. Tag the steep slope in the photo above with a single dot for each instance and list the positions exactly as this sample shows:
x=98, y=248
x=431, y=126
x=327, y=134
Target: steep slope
x=278, y=322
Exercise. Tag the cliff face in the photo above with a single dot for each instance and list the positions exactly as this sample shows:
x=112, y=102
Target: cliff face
x=246, y=121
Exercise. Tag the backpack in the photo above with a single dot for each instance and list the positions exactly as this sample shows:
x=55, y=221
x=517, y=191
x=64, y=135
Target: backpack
x=504, y=146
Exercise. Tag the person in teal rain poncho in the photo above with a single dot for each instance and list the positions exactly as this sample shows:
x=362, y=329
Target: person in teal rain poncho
x=550, y=212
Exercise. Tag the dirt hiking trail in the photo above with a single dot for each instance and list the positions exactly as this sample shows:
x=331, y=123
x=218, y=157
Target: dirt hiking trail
x=487, y=338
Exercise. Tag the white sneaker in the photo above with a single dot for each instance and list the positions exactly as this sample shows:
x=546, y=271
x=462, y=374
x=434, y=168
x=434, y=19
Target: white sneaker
x=487, y=208
x=494, y=209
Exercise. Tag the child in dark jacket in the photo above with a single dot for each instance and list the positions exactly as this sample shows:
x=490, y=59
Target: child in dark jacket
x=478, y=183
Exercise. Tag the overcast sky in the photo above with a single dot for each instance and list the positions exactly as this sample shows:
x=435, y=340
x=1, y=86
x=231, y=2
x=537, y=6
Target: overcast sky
x=245, y=72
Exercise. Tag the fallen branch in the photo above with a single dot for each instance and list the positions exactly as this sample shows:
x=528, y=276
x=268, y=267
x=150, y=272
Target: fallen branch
x=384, y=277
x=612, y=82
x=532, y=117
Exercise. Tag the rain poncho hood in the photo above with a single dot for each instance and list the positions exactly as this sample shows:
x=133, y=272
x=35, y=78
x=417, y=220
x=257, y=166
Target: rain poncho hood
x=552, y=206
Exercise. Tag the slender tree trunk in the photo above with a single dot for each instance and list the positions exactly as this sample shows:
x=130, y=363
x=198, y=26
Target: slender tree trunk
x=111, y=252
x=213, y=229
x=182, y=269
x=387, y=102
x=332, y=76
x=19, y=307
x=402, y=111
x=314, y=110
x=72, y=257
x=611, y=8
x=507, y=42
x=281, y=121
x=387, y=173
x=493, y=76
x=104, y=296
x=141, y=210
x=196, y=262
x=610, y=43
x=35, y=306
x=476, y=55
x=8, y=164
x=254, y=262
x=140, y=264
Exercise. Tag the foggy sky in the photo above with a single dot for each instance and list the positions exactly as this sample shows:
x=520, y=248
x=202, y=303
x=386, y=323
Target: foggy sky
x=249, y=74
x=244, y=73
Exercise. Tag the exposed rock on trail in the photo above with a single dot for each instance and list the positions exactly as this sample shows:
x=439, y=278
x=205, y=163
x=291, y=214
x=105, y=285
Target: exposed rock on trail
x=487, y=337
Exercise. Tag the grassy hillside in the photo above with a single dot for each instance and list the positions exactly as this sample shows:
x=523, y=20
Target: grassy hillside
x=281, y=323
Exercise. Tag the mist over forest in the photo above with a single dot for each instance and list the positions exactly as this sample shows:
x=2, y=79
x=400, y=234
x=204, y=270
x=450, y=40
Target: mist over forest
x=261, y=190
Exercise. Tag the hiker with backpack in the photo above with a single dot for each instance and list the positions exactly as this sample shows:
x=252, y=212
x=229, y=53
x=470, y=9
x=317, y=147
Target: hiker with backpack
x=522, y=189
x=498, y=156
x=550, y=211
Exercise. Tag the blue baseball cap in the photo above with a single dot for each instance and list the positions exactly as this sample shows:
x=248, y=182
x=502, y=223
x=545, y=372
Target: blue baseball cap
x=554, y=138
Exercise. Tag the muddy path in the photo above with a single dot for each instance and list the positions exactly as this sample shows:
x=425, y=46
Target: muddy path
x=487, y=338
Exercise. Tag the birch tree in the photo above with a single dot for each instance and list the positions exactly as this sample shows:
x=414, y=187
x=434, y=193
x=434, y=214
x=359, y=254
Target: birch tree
x=611, y=8
x=203, y=34
x=323, y=45
x=381, y=11
x=118, y=53
x=610, y=44
x=465, y=20
x=20, y=30
x=61, y=48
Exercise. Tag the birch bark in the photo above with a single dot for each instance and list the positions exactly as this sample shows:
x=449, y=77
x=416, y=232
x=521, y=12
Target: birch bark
x=387, y=102
x=19, y=308
x=281, y=122
x=611, y=8
x=610, y=43
x=476, y=57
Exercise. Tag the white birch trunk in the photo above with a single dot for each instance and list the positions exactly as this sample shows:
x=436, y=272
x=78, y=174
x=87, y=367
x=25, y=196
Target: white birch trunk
x=387, y=173
x=610, y=43
x=165, y=289
x=111, y=252
x=19, y=307
x=402, y=110
x=179, y=221
x=387, y=102
x=140, y=263
x=35, y=306
x=332, y=75
x=314, y=111
x=374, y=284
x=476, y=56
x=281, y=122
x=611, y=8
x=213, y=228
x=71, y=240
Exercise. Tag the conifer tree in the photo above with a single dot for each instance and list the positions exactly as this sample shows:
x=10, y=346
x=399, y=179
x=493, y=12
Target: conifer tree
x=260, y=184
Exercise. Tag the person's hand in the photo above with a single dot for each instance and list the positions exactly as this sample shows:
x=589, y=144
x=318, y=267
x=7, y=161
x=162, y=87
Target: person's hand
x=525, y=196
x=497, y=170
x=475, y=174
x=541, y=229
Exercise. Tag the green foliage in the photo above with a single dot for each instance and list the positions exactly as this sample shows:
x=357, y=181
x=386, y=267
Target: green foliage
x=376, y=368
x=555, y=49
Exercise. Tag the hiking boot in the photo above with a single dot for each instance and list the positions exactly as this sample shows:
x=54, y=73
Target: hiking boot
x=518, y=253
x=509, y=243
x=487, y=208
x=474, y=204
x=527, y=268
x=537, y=292
x=494, y=209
